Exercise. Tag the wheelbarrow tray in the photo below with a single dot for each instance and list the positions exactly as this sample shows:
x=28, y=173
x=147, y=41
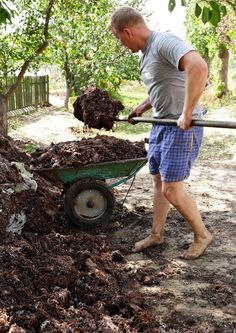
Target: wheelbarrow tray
x=100, y=171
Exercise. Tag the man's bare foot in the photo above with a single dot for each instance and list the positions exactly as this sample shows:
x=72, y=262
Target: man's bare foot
x=149, y=241
x=198, y=247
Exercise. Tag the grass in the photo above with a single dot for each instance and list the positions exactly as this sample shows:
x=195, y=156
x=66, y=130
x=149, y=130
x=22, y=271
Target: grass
x=29, y=148
x=124, y=130
x=132, y=94
x=211, y=103
x=217, y=148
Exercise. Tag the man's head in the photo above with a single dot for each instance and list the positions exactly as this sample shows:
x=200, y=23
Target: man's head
x=129, y=27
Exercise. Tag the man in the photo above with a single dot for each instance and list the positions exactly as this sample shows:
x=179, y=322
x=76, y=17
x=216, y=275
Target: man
x=175, y=76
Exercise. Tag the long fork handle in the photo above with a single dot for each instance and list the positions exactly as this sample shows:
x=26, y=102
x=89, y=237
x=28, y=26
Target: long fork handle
x=173, y=122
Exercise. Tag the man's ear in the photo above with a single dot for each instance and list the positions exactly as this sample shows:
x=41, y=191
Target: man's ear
x=128, y=32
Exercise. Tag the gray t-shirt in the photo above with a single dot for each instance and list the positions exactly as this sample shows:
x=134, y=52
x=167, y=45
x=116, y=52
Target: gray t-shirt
x=159, y=70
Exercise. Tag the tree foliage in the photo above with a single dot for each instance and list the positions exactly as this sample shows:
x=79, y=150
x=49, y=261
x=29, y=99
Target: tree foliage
x=78, y=39
x=24, y=40
x=84, y=48
x=6, y=11
x=209, y=11
x=213, y=43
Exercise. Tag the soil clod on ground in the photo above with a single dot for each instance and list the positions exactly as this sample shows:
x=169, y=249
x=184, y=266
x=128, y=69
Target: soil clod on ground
x=95, y=108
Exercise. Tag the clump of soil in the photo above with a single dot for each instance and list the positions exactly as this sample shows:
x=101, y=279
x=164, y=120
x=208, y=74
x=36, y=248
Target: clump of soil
x=96, y=109
x=95, y=150
x=8, y=173
x=9, y=150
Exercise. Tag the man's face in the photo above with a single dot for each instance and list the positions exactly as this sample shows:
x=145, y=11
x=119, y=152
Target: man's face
x=126, y=38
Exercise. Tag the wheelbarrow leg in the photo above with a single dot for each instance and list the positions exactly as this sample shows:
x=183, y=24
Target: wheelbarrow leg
x=131, y=184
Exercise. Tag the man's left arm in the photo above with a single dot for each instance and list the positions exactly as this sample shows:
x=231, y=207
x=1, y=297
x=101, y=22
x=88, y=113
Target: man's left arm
x=196, y=71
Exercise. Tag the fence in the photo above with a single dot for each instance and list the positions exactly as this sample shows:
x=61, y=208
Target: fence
x=32, y=91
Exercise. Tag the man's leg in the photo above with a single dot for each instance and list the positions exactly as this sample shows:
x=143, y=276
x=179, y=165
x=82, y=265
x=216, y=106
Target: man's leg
x=160, y=209
x=186, y=206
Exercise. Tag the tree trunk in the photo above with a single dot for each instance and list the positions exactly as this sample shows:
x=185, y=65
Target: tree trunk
x=3, y=116
x=224, y=58
x=68, y=92
x=70, y=80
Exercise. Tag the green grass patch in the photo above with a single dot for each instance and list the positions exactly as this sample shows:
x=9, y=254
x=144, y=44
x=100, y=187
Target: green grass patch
x=132, y=94
x=29, y=148
x=211, y=102
x=217, y=148
x=125, y=129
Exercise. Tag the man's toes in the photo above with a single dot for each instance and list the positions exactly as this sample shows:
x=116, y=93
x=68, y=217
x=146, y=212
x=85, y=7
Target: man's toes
x=137, y=247
x=188, y=256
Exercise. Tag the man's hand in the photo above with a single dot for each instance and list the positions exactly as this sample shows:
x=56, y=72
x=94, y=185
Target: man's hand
x=137, y=112
x=184, y=122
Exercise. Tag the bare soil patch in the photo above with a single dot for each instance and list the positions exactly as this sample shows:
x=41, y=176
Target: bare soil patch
x=47, y=125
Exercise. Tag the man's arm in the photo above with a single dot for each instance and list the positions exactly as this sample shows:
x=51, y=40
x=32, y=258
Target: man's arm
x=140, y=109
x=196, y=72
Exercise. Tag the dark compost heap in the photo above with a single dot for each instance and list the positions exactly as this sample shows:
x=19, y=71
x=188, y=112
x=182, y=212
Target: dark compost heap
x=54, y=278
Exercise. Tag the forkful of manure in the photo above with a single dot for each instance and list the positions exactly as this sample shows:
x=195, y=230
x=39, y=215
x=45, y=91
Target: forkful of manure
x=96, y=109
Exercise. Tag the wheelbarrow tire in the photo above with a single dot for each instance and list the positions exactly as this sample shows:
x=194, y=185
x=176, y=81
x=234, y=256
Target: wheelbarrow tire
x=89, y=203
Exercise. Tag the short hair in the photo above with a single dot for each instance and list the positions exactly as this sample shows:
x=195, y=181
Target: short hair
x=124, y=17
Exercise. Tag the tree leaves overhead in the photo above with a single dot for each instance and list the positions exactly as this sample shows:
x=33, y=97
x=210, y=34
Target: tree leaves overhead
x=171, y=5
x=223, y=10
x=215, y=17
x=20, y=39
x=209, y=40
x=208, y=11
x=198, y=10
x=84, y=48
x=79, y=42
x=5, y=12
x=206, y=15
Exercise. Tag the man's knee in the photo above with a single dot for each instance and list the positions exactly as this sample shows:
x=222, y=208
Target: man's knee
x=172, y=192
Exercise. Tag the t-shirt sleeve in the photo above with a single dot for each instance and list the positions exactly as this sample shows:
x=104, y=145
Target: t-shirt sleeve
x=171, y=48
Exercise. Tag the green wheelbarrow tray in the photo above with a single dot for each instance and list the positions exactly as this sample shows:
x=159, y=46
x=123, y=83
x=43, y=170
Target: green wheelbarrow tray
x=105, y=170
x=89, y=201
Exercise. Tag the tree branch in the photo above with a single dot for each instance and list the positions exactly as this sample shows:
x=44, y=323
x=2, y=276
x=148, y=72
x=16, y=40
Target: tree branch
x=37, y=52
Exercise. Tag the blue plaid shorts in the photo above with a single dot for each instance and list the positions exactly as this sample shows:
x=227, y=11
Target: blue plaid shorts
x=172, y=151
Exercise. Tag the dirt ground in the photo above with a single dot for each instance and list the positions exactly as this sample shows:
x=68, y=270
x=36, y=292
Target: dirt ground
x=195, y=296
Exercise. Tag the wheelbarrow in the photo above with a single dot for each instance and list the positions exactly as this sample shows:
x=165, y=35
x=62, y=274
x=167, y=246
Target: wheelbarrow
x=89, y=200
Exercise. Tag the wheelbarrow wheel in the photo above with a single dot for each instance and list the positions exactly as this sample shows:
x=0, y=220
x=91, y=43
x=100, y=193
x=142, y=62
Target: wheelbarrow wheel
x=89, y=203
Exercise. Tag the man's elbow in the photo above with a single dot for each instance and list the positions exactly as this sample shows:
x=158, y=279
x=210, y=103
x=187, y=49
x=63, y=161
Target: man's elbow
x=203, y=69
x=198, y=71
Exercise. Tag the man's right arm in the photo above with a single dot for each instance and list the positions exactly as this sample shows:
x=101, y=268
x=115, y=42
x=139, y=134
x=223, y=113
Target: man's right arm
x=140, y=109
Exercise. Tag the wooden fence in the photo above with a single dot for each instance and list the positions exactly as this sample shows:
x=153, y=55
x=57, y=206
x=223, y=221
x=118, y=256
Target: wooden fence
x=32, y=91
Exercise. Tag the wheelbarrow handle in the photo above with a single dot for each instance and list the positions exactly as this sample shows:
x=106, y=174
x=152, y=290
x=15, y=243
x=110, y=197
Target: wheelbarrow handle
x=173, y=122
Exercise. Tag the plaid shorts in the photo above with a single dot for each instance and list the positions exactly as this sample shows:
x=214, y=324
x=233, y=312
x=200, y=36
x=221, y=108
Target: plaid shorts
x=172, y=151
